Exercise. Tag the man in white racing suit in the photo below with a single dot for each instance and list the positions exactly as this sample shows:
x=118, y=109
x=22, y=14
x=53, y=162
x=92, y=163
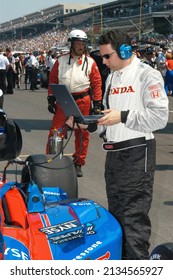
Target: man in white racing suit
x=135, y=105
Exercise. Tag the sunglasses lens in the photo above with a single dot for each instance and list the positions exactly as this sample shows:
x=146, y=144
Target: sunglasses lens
x=106, y=56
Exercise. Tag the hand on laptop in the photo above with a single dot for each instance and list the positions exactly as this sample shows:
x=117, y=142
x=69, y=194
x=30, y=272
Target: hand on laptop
x=110, y=117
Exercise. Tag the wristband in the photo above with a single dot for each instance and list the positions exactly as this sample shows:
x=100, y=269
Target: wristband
x=124, y=115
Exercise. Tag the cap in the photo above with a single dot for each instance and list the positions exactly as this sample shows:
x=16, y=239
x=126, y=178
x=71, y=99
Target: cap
x=149, y=50
x=162, y=252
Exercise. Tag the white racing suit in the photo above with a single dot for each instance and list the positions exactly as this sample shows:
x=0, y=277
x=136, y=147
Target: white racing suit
x=130, y=160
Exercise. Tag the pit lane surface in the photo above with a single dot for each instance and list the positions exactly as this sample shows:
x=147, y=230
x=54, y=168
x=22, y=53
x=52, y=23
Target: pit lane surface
x=29, y=110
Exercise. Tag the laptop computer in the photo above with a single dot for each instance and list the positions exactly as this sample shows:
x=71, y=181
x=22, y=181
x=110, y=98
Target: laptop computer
x=69, y=106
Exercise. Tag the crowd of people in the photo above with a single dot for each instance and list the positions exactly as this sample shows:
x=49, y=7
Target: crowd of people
x=162, y=60
x=157, y=57
x=38, y=41
x=58, y=37
x=14, y=65
x=10, y=69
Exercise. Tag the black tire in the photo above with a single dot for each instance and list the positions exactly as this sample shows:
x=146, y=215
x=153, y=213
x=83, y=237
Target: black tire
x=162, y=252
x=44, y=81
x=57, y=173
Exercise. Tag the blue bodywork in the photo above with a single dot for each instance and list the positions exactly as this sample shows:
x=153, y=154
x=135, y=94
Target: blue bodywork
x=70, y=229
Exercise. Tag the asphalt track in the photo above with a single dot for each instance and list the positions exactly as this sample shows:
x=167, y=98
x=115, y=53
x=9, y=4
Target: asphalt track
x=29, y=110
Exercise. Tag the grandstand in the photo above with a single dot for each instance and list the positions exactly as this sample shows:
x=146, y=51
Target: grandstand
x=41, y=20
x=138, y=18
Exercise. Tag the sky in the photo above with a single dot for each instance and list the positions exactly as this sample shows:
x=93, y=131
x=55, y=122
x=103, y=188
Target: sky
x=12, y=9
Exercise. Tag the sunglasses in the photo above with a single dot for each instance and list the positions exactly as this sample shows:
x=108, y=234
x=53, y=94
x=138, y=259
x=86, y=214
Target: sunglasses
x=107, y=55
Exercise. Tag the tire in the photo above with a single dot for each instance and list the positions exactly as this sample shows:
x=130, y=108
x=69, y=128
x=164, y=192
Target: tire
x=162, y=252
x=46, y=174
x=44, y=81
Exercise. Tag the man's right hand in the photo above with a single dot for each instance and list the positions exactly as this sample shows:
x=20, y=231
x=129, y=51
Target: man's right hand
x=51, y=104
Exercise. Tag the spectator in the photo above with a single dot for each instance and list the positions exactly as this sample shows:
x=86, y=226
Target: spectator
x=169, y=74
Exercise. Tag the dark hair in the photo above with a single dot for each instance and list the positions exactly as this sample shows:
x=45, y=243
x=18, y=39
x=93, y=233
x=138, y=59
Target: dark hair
x=8, y=49
x=115, y=38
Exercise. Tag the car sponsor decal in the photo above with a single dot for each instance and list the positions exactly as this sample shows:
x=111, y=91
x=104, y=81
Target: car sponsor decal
x=67, y=231
x=84, y=254
x=106, y=256
x=60, y=227
x=15, y=250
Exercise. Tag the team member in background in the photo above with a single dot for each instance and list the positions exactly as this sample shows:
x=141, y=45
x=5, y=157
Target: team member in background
x=104, y=71
x=33, y=65
x=11, y=71
x=49, y=63
x=18, y=67
x=135, y=105
x=149, y=57
x=79, y=72
x=4, y=64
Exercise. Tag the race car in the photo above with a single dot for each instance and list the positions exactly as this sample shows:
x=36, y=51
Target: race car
x=45, y=220
x=41, y=217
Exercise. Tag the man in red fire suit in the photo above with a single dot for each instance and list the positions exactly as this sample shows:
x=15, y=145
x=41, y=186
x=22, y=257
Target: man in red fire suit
x=79, y=72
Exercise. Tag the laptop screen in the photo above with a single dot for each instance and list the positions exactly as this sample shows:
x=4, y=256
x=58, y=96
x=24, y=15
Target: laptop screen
x=69, y=106
x=66, y=101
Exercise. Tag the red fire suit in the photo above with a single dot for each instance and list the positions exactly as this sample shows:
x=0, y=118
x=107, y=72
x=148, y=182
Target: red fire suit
x=79, y=74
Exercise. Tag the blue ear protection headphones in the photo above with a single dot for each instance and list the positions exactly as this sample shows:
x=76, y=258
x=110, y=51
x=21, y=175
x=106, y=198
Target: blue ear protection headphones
x=124, y=51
